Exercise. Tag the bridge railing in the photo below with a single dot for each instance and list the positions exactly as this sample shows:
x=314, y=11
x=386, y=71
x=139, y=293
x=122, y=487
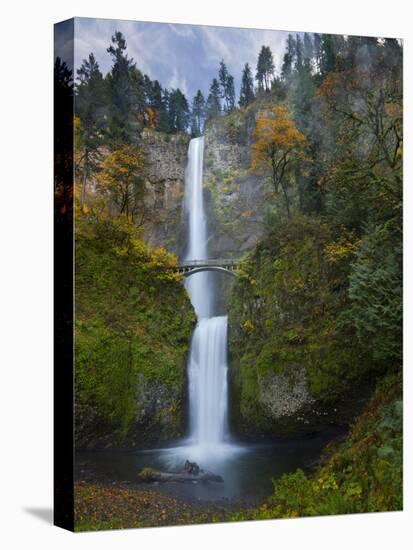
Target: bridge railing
x=209, y=262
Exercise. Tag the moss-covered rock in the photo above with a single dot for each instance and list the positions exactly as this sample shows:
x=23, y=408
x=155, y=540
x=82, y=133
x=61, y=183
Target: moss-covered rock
x=234, y=195
x=134, y=322
x=363, y=473
x=295, y=365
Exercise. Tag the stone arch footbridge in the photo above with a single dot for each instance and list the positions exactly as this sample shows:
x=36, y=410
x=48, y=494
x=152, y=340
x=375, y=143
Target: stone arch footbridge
x=190, y=267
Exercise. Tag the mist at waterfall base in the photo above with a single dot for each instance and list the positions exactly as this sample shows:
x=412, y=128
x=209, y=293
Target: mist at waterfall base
x=247, y=470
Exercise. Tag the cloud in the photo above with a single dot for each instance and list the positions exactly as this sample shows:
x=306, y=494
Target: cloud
x=185, y=31
x=178, y=81
x=184, y=56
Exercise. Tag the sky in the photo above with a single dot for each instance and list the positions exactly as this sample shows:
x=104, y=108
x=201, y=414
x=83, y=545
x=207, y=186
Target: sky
x=179, y=56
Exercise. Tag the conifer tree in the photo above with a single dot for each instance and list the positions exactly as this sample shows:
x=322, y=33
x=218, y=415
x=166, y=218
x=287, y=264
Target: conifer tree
x=289, y=58
x=198, y=114
x=213, y=104
x=265, y=69
x=164, y=123
x=247, y=87
x=317, y=50
x=89, y=105
x=327, y=54
x=227, y=88
x=308, y=48
x=178, y=111
x=230, y=93
x=125, y=92
x=298, y=53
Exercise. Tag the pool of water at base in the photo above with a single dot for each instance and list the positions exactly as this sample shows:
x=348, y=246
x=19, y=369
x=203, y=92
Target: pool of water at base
x=247, y=469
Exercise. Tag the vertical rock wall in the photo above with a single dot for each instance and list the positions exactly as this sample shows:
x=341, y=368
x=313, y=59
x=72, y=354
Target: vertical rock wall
x=166, y=160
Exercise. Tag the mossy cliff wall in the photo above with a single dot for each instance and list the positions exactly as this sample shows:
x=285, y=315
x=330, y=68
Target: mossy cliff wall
x=134, y=323
x=296, y=364
x=234, y=195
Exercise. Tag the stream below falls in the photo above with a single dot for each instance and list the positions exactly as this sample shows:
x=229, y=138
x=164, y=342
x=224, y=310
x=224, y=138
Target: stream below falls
x=247, y=469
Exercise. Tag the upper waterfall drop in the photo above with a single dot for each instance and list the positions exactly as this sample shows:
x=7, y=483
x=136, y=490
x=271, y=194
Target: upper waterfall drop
x=207, y=366
x=197, y=245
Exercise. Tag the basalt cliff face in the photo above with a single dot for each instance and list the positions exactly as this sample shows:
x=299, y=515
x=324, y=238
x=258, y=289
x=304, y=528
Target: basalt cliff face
x=234, y=195
x=165, y=160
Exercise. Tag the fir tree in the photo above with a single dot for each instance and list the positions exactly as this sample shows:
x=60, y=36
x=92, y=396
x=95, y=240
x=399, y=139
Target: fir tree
x=298, y=53
x=89, y=105
x=213, y=104
x=227, y=89
x=327, y=54
x=247, y=87
x=198, y=114
x=125, y=90
x=265, y=69
x=289, y=58
x=308, y=48
x=178, y=111
x=230, y=94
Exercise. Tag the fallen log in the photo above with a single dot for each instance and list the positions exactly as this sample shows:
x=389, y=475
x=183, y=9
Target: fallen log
x=180, y=477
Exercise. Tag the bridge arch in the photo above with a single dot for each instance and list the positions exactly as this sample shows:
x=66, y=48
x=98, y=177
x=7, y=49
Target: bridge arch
x=215, y=268
x=190, y=267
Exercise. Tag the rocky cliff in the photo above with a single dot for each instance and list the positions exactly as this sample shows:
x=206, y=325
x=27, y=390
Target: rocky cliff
x=234, y=196
x=166, y=157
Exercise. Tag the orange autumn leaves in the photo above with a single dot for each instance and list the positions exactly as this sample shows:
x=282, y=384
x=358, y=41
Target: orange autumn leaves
x=276, y=135
x=277, y=143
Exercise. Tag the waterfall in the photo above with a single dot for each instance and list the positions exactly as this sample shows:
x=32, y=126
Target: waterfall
x=207, y=366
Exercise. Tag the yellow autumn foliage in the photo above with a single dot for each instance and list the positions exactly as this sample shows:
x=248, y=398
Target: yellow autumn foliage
x=122, y=178
x=276, y=135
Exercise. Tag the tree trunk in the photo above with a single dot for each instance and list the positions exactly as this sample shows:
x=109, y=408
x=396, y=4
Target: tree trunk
x=287, y=200
x=182, y=477
x=299, y=184
x=84, y=178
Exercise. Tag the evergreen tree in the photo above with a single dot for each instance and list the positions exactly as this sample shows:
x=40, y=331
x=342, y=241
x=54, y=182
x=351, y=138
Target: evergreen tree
x=222, y=75
x=298, y=53
x=126, y=97
x=227, y=88
x=147, y=86
x=213, y=104
x=247, y=87
x=89, y=105
x=289, y=58
x=230, y=93
x=138, y=99
x=317, y=50
x=392, y=57
x=327, y=54
x=265, y=69
x=198, y=114
x=153, y=102
x=164, y=123
x=178, y=111
x=155, y=99
x=308, y=48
